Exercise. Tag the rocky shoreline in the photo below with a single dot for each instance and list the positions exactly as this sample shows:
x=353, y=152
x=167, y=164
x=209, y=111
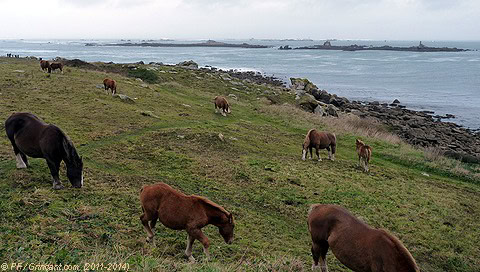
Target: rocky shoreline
x=209, y=43
x=420, y=48
x=419, y=128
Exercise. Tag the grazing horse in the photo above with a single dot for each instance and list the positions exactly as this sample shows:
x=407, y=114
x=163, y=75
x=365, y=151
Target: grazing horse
x=222, y=104
x=110, y=84
x=364, y=153
x=181, y=212
x=354, y=243
x=45, y=65
x=30, y=136
x=319, y=140
x=56, y=65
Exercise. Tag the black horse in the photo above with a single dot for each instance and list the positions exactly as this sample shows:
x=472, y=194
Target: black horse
x=31, y=136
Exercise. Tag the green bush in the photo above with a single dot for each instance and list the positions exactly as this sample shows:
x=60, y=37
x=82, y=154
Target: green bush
x=144, y=74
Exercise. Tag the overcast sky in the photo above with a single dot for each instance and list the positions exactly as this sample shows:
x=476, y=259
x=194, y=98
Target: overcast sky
x=241, y=19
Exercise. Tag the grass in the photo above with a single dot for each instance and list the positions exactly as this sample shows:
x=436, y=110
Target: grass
x=256, y=173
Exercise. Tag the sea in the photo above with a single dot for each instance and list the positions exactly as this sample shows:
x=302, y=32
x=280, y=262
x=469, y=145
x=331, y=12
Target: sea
x=442, y=82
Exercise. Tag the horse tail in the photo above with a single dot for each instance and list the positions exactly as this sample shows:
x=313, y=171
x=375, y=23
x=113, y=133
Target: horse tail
x=334, y=143
x=306, y=142
x=402, y=251
x=369, y=152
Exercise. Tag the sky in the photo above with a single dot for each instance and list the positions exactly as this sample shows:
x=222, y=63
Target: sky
x=241, y=19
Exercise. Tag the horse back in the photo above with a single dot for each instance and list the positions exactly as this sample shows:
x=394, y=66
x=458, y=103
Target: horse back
x=173, y=208
x=322, y=139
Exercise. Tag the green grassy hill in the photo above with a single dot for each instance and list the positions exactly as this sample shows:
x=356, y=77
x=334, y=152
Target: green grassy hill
x=430, y=203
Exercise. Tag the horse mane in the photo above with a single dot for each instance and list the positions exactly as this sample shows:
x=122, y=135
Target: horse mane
x=312, y=207
x=70, y=151
x=212, y=204
x=402, y=250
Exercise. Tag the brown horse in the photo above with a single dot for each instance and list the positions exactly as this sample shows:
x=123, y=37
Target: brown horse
x=45, y=65
x=30, y=136
x=364, y=153
x=181, y=212
x=110, y=84
x=354, y=243
x=56, y=65
x=222, y=104
x=319, y=140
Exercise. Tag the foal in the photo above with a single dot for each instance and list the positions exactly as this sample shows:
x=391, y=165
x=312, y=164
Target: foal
x=354, y=243
x=364, y=153
x=181, y=212
x=222, y=104
x=319, y=140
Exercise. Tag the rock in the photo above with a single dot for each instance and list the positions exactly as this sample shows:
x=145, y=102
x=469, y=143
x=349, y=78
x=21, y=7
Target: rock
x=186, y=105
x=99, y=86
x=19, y=71
x=124, y=98
x=149, y=113
x=190, y=64
x=319, y=110
x=233, y=96
x=307, y=102
x=396, y=101
x=138, y=79
x=375, y=103
x=221, y=137
x=144, y=85
x=332, y=110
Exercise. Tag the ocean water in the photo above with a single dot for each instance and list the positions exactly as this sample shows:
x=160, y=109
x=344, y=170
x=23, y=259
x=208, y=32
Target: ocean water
x=443, y=82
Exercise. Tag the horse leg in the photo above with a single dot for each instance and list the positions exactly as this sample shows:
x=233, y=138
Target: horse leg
x=145, y=218
x=54, y=167
x=188, y=251
x=198, y=234
x=223, y=112
x=318, y=154
x=311, y=155
x=19, y=156
x=319, y=254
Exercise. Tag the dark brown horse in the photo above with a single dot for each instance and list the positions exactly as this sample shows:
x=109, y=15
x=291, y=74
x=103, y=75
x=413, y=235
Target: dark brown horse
x=30, y=136
x=110, y=84
x=181, y=212
x=56, y=65
x=222, y=104
x=364, y=154
x=319, y=140
x=354, y=243
x=45, y=65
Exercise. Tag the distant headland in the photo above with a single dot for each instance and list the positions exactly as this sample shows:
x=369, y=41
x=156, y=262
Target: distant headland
x=209, y=43
x=420, y=48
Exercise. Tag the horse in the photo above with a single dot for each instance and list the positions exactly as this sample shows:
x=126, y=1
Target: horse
x=110, y=84
x=181, y=212
x=30, y=136
x=364, y=153
x=56, y=65
x=45, y=65
x=222, y=104
x=319, y=140
x=355, y=244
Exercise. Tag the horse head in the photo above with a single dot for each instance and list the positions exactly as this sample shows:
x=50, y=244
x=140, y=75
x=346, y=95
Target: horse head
x=226, y=229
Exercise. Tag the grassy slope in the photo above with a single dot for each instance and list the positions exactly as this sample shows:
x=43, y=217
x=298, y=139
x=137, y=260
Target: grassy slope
x=256, y=173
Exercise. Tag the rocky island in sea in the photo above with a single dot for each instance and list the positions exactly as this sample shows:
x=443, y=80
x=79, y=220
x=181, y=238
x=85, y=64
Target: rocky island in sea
x=209, y=43
x=354, y=47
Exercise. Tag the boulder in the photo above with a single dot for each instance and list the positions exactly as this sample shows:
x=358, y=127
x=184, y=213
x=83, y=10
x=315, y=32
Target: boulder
x=396, y=101
x=332, y=110
x=307, y=102
x=319, y=110
x=190, y=64
x=124, y=98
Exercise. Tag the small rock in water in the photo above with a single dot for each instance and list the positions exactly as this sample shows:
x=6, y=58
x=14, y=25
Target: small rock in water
x=396, y=101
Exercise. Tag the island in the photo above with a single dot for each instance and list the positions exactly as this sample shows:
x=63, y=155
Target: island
x=209, y=43
x=420, y=48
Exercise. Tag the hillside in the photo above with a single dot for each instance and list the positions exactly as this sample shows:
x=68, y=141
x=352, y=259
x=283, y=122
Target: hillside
x=170, y=134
